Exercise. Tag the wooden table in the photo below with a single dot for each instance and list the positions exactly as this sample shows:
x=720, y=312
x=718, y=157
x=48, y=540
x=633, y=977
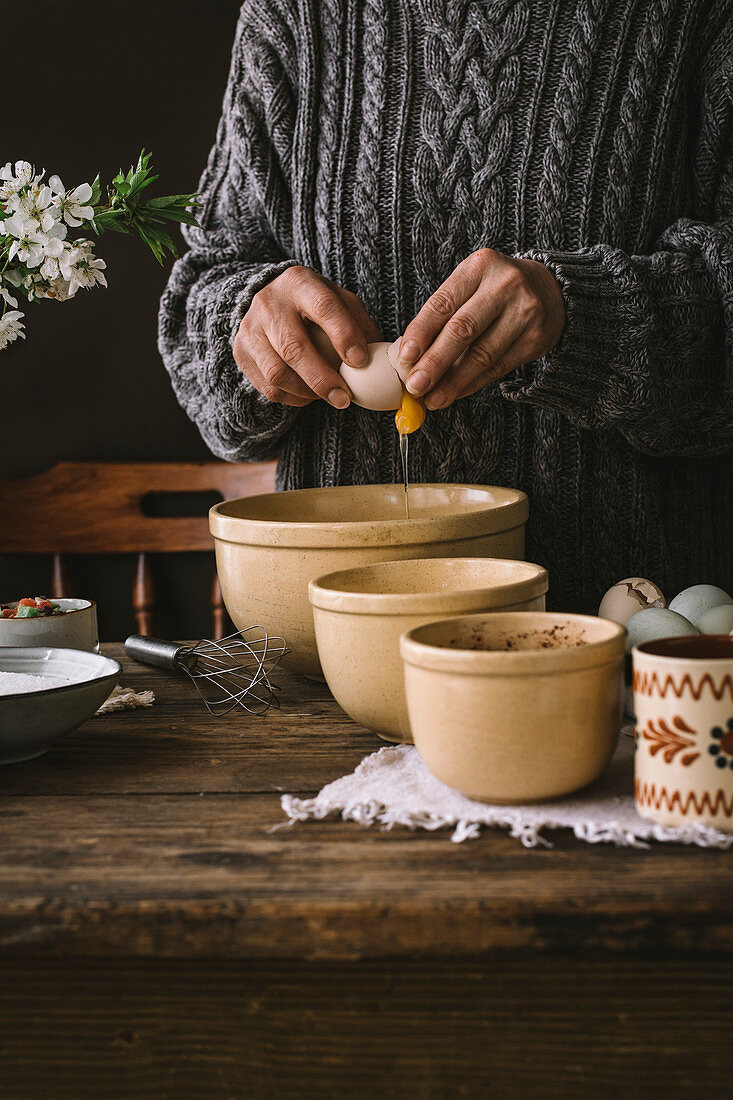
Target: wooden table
x=158, y=939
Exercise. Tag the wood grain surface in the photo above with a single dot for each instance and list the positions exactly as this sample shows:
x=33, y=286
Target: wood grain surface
x=159, y=938
x=502, y=1031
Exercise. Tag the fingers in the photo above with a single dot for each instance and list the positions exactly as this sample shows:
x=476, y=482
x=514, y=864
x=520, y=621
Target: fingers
x=314, y=298
x=291, y=341
x=489, y=358
x=440, y=311
x=359, y=312
x=493, y=313
x=270, y=376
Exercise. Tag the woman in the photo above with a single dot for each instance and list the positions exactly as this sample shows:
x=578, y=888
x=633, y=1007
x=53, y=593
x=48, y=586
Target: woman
x=538, y=195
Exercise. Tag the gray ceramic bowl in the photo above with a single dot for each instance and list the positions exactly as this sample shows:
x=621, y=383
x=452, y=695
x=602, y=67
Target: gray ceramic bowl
x=32, y=721
x=75, y=629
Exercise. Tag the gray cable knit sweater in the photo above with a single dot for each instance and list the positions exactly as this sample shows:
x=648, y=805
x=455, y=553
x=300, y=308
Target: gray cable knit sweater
x=380, y=142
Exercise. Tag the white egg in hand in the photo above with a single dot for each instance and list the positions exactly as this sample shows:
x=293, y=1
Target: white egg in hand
x=716, y=620
x=695, y=601
x=376, y=385
x=629, y=596
x=656, y=622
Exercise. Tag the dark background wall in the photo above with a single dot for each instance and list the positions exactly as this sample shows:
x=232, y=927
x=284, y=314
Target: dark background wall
x=104, y=80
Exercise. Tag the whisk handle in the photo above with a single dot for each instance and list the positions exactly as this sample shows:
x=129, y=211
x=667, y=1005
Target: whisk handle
x=154, y=651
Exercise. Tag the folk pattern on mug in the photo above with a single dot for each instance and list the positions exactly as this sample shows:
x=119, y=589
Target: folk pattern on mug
x=669, y=742
x=652, y=797
x=722, y=744
x=650, y=683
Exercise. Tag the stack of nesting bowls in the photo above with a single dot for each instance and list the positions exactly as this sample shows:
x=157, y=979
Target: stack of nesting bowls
x=359, y=615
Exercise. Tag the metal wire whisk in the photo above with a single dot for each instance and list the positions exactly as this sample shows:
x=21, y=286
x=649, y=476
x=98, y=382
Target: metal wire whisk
x=232, y=672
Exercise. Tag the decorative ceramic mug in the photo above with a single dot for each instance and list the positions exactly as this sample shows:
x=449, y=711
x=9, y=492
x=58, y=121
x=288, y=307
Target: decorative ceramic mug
x=683, y=700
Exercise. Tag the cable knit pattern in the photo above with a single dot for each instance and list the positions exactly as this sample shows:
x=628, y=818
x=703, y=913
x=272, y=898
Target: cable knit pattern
x=605, y=131
x=473, y=74
x=638, y=99
x=572, y=96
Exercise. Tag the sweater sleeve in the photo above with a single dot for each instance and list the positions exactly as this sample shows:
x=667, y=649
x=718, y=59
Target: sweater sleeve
x=648, y=345
x=244, y=242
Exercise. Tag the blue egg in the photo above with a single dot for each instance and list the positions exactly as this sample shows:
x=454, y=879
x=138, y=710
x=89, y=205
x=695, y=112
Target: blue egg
x=656, y=622
x=695, y=601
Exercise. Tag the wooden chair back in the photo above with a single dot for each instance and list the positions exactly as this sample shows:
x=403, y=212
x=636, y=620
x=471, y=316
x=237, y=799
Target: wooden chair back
x=99, y=508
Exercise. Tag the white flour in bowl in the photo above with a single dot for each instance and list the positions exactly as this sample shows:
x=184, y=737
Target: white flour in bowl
x=16, y=683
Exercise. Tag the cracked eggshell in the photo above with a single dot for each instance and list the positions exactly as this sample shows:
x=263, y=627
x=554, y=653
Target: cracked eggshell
x=695, y=601
x=376, y=385
x=716, y=620
x=393, y=351
x=629, y=597
x=656, y=622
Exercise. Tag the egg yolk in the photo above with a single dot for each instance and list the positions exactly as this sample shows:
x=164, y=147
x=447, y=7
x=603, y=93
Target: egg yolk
x=410, y=415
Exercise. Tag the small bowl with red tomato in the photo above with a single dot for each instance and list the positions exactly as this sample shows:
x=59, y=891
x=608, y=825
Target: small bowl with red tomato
x=43, y=621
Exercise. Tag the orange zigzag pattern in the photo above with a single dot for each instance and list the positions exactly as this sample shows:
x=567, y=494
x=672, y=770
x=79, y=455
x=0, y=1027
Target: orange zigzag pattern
x=648, y=794
x=647, y=683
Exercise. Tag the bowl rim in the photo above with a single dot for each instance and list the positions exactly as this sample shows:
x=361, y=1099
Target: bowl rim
x=324, y=593
x=498, y=516
x=25, y=650
x=35, y=618
x=524, y=662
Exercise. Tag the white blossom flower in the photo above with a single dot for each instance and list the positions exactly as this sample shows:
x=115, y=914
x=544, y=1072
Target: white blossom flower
x=70, y=204
x=81, y=268
x=11, y=327
x=57, y=289
x=29, y=242
x=12, y=184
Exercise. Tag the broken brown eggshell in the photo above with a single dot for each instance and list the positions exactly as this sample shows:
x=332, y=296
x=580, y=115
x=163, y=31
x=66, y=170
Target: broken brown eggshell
x=627, y=597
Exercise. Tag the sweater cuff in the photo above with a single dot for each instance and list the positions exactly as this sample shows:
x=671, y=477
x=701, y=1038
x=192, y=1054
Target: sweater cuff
x=255, y=283
x=571, y=377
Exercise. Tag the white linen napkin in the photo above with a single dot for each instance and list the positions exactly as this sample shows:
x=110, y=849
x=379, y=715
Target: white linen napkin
x=393, y=787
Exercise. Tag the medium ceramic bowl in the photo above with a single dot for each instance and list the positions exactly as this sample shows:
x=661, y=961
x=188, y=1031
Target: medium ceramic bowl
x=32, y=721
x=75, y=629
x=516, y=706
x=268, y=547
x=359, y=615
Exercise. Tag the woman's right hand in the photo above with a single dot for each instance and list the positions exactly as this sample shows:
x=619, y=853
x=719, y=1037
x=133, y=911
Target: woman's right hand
x=274, y=345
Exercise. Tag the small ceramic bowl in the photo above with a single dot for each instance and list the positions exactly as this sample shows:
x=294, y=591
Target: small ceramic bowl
x=75, y=629
x=32, y=721
x=268, y=547
x=359, y=615
x=516, y=706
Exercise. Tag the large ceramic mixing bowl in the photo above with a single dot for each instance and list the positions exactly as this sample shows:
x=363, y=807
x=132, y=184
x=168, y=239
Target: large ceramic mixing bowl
x=516, y=706
x=269, y=547
x=360, y=613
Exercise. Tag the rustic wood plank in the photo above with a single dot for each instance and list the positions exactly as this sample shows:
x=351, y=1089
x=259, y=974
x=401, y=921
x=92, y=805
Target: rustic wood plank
x=205, y=875
x=410, y=1029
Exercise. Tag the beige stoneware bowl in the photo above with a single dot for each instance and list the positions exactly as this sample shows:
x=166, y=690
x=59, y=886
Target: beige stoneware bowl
x=269, y=547
x=359, y=615
x=517, y=706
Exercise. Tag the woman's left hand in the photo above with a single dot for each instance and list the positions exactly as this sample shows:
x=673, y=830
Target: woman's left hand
x=493, y=314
